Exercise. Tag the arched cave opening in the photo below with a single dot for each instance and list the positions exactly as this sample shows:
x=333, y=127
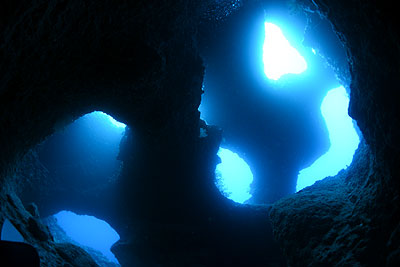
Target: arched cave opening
x=80, y=159
x=233, y=176
x=275, y=91
x=146, y=64
x=95, y=236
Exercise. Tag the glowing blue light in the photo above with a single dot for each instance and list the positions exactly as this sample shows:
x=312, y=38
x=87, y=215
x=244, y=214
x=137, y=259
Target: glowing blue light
x=279, y=56
x=89, y=231
x=313, y=50
x=233, y=176
x=112, y=120
x=343, y=138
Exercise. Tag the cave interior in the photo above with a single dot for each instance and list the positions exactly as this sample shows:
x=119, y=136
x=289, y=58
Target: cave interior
x=124, y=111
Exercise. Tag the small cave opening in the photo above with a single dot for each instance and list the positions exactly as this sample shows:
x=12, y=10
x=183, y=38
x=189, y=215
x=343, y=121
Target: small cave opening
x=90, y=233
x=157, y=184
x=80, y=164
x=10, y=233
x=343, y=137
x=279, y=56
x=233, y=176
x=272, y=84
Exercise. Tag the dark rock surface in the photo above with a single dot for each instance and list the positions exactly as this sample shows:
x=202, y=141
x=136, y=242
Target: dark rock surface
x=14, y=254
x=346, y=220
x=353, y=219
x=74, y=254
x=61, y=237
x=38, y=236
x=139, y=61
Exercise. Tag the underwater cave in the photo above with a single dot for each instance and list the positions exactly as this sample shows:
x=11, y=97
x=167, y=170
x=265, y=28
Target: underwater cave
x=94, y=235
x=256, y=133
x=310, y=107
x=84, y=154
x=78, y=161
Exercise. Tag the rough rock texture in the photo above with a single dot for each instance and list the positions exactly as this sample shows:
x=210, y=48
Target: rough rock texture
x=138, y=61
x=60, y=236
x=318, y=226
x=258, y=117
x=37, y=234
x=353, y=219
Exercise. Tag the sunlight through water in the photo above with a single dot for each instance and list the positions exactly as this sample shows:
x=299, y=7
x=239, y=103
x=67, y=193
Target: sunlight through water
x=89, y=231
x=111, y=119
x=279, y=56
x=233, y=176
x=10, y=233
x=343, y=138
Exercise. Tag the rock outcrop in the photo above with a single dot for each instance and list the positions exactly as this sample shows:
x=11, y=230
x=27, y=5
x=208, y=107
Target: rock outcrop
x=353, y=219
x=140, y=62
x=36, y=234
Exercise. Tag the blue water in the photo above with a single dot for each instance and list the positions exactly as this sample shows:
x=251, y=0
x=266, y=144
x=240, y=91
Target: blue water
x=109, y=118
x=10, y=233
x=280, y=58
x=104, y=121
x=343, y=138
x=86, y=152
x=233, y=176
x=89, y=231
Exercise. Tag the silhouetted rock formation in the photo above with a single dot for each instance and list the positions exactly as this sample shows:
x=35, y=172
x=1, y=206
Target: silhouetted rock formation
x=18, y=254
x=140, y=62
x=353, y=219
x=37, y=235
x=60, y=236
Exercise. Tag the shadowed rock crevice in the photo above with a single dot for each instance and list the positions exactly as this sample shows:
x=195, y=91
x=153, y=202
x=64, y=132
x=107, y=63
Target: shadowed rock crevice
x=144, y=63
x=139, y=63
x=352, y=218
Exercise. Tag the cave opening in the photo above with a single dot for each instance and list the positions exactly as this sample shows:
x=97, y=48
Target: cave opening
x=92, y=234
x=280, y=102
x=10, y=233
x=86, y=150
x=233, y=176
x=141, y=61
x=279, y=56
x=82, y=159
x=343, y=136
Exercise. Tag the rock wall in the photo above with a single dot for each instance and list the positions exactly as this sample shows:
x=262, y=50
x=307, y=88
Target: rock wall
x=353, y=219
x=28, y=223
x=139, y=62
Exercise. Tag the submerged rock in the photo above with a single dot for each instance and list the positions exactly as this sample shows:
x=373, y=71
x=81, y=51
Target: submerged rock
x=74, y=254
x=140, y=61
x=18, y=254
